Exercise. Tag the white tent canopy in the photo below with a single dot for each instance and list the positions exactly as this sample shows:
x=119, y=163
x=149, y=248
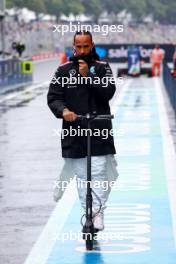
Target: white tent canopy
x=23, y=14
x=72, y=18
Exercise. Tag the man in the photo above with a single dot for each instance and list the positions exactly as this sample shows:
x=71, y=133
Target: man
x=174, y=63
x=68, y=100
x=157, y=56
x=134, y=61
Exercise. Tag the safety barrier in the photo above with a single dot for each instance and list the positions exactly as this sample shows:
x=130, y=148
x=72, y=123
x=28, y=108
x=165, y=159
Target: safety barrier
x=45, y=55
x=170, y=85
x=14, y=72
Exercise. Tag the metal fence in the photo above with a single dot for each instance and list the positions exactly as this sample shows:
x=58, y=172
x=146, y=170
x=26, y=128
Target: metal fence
x=12, y=73
x=170, y=85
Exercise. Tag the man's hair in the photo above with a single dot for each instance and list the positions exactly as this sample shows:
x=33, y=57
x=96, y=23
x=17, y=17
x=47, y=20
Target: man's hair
x=94, y=54
x=83, y=32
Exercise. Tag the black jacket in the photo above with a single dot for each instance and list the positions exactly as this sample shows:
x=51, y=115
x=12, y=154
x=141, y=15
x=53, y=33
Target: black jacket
x=89, y=97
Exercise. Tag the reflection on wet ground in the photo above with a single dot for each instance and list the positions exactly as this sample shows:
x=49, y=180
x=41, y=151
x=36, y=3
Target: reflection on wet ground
x=29, y=156
x=20, y=98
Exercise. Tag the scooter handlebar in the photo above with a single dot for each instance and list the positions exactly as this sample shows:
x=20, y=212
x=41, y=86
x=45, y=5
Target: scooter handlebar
x=90, y=116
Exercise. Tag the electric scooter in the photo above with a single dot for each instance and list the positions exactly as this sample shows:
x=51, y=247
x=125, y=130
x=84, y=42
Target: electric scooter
x=89, y=232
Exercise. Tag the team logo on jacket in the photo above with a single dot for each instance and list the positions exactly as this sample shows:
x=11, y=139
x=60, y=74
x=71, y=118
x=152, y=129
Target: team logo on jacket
x=92, y=69
x=72, y=72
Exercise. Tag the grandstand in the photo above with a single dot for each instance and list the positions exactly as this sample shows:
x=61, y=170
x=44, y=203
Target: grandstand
x=38, y=35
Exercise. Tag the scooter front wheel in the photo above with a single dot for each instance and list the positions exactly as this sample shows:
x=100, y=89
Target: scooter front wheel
x=89, y=242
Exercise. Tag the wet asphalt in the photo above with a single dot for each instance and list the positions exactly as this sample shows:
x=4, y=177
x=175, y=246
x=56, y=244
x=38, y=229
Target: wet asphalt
x=30, y=161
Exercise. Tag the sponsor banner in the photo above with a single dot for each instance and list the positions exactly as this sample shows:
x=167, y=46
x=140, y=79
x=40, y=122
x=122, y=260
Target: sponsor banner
x=119, y=52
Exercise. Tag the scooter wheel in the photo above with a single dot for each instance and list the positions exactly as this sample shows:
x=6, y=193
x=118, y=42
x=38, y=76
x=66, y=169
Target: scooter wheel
x=89, y=242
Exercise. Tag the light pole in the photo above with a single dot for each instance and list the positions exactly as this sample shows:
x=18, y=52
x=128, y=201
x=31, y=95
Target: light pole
x=2, y=15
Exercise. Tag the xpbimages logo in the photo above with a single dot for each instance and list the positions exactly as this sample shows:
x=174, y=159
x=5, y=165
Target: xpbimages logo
x=104, y=133
x=83, y=80
x=102, y=29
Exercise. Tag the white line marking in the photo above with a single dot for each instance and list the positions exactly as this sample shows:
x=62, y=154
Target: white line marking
x=120, y=96
x=29, y=89
x=43, y=246
x=169, y=154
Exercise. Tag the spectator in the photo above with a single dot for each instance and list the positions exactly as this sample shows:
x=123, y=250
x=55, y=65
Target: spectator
x=157, y=56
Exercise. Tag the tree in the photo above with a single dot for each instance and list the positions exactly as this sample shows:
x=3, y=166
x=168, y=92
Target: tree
x=114, y=6
x=59, y=7
x=75, y=7
x=136, y=8
x=34, y=5
x=162, y=10
x=156, y=8
x=54, y=7
x=93, y=7
x=171, y=13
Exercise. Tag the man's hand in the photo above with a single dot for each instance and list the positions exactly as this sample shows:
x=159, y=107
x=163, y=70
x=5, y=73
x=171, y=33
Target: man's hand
x=69, y=116
x=83, y=68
